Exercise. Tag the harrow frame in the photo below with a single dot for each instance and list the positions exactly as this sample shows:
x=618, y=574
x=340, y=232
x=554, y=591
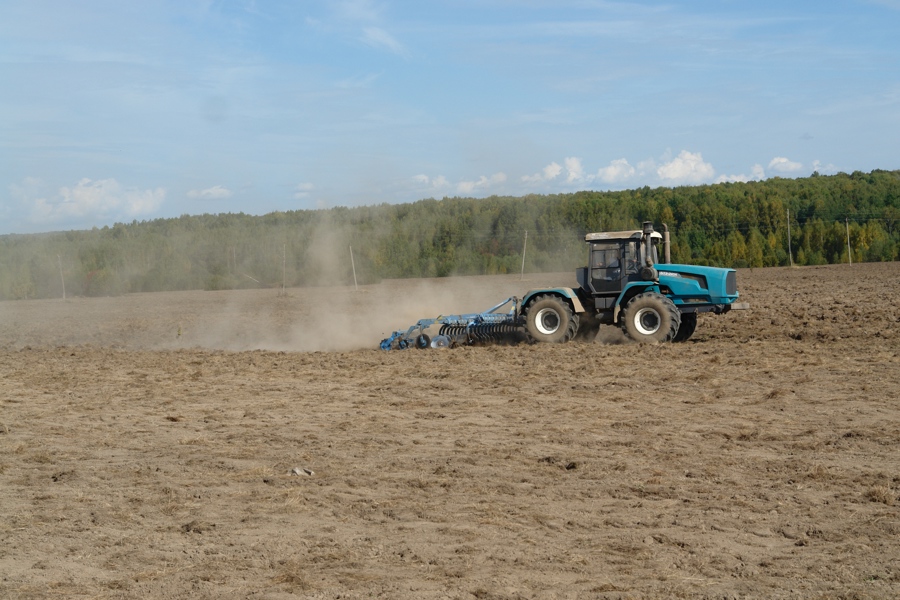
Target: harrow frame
x=471, y=328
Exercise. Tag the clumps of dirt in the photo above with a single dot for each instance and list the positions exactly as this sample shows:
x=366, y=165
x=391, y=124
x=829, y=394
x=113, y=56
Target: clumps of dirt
x=756, y=460
x=883, y=494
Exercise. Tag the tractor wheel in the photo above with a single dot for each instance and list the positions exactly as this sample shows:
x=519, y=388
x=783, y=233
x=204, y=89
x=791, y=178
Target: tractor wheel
x=588, y=328
x=651, y=317
x=423, y=341
x=549, y=319
x=687, y=328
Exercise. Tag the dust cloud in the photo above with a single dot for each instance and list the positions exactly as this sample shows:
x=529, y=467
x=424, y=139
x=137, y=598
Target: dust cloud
x=302, y=319
x=324, y=311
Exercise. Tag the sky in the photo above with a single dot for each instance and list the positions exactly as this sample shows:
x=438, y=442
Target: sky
x=115, y=111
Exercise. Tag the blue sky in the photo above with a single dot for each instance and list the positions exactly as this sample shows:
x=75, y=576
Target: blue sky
x=112, y=111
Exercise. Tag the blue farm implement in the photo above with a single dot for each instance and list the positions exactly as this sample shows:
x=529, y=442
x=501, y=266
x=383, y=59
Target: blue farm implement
x=489, y=326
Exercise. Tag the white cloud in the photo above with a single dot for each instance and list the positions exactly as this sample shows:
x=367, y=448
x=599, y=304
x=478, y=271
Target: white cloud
x=358, y=82
x=646, y=167
x=894, y=4
x=783, y=165
x=732, y=179
x=757, y=173
x=618, y=171
x=687, y=167
x=468, y=187
x=438, y=182
x=302, y=190
x=549, y=173
x=357, y=10
x=29, y=188
x=90, y=200
x=824, y=169
x=552, y=171
x=379, y=38
x=214, y=193
x=575, y=169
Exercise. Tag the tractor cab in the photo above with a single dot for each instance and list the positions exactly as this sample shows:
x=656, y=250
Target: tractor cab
x=615, y=258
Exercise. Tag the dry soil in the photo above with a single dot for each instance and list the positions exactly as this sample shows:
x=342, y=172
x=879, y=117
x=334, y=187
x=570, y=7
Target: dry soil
x=257, y=444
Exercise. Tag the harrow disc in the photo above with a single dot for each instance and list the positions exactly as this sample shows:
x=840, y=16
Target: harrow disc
x=455, y=333
x=440, y=341
x=502, y=333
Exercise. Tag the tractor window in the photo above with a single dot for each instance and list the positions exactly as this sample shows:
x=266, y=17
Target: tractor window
x=605, y=262
x=632, y=257
x=604, y=256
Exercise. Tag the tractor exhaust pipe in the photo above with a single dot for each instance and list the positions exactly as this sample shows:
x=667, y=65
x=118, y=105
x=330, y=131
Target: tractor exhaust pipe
x=666, y=245
x=648, y=273
x=648, y=243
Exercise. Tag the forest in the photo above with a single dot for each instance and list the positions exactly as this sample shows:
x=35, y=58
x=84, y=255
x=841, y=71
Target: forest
x=814, y=220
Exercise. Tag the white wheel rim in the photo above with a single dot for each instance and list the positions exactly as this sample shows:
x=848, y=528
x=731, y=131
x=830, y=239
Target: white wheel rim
x=647, y=321
x=547, y=321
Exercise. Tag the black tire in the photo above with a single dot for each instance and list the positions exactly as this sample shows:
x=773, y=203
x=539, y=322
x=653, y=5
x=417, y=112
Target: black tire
x=687, y=328
x=549, y=319
x=423, y=341
x=588, y=328
x=650, y=318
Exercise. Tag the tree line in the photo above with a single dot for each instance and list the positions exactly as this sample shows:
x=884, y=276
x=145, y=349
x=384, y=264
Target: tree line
x=804, y=221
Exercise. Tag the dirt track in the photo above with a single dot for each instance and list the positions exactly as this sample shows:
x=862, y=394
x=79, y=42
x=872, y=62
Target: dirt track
x=146, y=448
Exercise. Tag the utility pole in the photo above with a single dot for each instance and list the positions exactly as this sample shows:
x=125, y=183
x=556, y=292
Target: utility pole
x=353, y=266
x=849, y=250
x=63, y=279
x=524, y=246
x=790, y=251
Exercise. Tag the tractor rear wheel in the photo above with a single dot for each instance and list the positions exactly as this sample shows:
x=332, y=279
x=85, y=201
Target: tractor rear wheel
x=687, y=328
x=549, y=319
x=651, y=317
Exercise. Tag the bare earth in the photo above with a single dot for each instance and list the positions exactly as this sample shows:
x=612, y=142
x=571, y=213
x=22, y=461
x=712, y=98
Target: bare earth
x=149, y=445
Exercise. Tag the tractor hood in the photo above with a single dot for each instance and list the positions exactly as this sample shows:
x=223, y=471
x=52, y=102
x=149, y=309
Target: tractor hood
x=694, y=284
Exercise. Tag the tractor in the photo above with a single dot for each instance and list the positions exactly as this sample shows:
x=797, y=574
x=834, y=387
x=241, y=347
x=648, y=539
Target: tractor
x=624, y=284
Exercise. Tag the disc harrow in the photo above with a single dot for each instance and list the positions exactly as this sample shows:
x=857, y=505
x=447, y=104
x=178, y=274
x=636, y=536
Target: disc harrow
x=488, y=327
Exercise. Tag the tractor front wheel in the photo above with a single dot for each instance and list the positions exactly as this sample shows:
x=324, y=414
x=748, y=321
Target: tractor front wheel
x=549, y=319
x=651, y=317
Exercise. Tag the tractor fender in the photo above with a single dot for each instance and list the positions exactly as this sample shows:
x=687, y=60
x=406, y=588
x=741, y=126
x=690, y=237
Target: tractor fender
x=630, y=291
x=566, y=293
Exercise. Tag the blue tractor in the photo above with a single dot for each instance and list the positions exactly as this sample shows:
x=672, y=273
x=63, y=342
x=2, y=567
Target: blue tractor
x=624, y=284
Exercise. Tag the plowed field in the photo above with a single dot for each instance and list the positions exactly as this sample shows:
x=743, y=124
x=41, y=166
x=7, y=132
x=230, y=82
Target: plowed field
x=255, y=444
